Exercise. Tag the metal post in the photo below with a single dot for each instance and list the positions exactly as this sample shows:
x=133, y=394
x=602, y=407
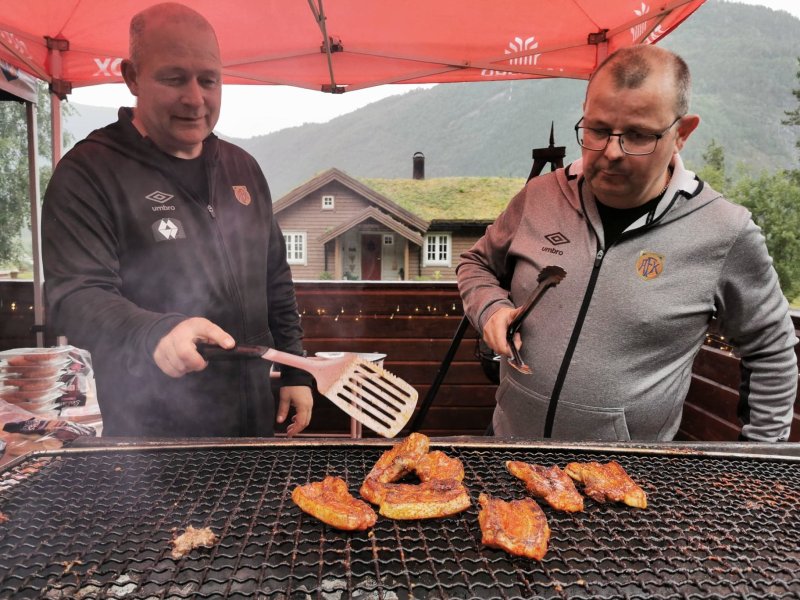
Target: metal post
x=34, y=195
x=440, y=375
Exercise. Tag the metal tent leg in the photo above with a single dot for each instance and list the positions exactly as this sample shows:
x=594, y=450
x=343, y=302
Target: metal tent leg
x=440, y=375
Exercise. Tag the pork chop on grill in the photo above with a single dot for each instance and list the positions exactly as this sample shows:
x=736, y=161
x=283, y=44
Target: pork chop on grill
x=518, y=527
x=607, y=481
x=428, y=500
x=552, y=485
x=437, y=465
x=440, y=492
x=394, y=464
x=330, y=501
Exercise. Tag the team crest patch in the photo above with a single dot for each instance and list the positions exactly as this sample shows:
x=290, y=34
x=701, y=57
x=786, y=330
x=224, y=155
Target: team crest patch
x=649, y=265
x=242, y=195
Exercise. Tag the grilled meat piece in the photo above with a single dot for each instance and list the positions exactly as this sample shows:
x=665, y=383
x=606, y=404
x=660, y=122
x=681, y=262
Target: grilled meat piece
x=439, y=494
x=193, y=538
x=552, y=485
x=330, y=502
x=437, y=465
x=393, y=465
x=518, y=527
x=607, y=481
x=428, y=500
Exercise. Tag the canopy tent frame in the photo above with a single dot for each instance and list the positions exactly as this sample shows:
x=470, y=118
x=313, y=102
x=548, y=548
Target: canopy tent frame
x=18, y=86
x=63, y=41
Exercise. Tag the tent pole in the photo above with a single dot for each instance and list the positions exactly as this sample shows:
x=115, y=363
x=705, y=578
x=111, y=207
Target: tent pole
x=34, y=195
x=55, y=128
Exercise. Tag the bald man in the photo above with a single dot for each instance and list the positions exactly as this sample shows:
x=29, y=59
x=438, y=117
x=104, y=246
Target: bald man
x=157, y=235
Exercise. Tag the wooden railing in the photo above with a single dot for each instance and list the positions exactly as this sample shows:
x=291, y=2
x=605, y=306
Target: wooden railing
x=413, y=323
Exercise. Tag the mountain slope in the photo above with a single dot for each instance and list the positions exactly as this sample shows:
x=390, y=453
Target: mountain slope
x=743, y=60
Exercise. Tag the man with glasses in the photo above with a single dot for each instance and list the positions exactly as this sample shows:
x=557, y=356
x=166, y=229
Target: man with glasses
x=651, y=255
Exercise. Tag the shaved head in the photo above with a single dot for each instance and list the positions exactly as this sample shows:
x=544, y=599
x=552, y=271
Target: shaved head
x=160, y=15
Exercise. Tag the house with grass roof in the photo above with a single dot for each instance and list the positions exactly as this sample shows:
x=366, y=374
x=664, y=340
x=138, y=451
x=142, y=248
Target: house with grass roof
x=340, y=227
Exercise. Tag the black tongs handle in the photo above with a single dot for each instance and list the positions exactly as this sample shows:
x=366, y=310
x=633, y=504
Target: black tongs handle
x=241, y=351
x=548, y=277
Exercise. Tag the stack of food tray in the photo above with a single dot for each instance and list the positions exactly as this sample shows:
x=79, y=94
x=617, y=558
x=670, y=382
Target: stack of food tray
x=33, y=378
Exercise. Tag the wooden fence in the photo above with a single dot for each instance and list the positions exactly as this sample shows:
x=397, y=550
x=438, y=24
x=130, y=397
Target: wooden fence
x=413, y=323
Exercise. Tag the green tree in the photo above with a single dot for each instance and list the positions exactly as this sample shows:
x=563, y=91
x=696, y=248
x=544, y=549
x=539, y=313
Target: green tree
x=713, y=171
x=794, y=115
x=774, y=200
x=14, y=201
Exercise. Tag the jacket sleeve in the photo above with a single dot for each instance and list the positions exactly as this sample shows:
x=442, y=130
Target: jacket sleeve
x=284, y=318
x=82, y=273
x=754, y=316
x=487, y=267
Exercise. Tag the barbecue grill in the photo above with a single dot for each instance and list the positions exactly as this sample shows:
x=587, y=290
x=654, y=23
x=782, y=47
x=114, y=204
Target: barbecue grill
x=97, y=520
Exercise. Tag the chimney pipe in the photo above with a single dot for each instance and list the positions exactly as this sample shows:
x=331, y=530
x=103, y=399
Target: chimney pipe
x=419, y=165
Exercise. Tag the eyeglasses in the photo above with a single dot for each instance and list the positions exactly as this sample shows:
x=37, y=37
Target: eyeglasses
x=631, y=142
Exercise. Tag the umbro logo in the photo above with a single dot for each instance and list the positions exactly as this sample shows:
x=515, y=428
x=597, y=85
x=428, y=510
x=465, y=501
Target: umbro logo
x=159, y=197
x=168, y=229
x=557, y=238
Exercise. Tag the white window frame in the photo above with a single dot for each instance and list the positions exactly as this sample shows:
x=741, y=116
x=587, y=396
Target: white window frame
x=328, y=202
x=293, y=255
x=388, y=239
x=443, y=249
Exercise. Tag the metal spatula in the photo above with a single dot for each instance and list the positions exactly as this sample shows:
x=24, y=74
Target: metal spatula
x=368, y=393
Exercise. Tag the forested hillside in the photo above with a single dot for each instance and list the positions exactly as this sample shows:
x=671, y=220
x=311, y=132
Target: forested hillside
x=743, y=60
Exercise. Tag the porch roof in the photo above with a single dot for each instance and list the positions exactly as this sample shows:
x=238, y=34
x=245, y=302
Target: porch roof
x=374, y=197
x=376, y=215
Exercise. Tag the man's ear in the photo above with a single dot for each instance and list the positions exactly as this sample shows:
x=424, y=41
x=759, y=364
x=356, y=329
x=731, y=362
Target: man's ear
x=685, y=128
x=130, y=75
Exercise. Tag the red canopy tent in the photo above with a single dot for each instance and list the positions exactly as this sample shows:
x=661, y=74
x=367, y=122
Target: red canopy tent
x=341, y=45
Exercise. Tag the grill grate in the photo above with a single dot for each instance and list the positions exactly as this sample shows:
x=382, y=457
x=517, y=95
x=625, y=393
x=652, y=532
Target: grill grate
x=98, y=524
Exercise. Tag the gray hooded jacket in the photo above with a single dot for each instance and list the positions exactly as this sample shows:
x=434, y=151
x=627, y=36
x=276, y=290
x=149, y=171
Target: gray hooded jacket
x=612, y=346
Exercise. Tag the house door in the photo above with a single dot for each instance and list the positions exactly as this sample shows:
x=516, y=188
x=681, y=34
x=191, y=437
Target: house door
x=371, y=256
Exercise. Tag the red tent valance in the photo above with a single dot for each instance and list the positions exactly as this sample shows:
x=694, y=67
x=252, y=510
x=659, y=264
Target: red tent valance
x=341, y=45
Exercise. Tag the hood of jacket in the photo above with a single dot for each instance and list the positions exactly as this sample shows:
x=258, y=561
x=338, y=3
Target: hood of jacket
x=685, y=194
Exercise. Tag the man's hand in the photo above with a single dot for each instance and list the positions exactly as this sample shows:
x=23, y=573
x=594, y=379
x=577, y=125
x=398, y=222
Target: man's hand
x=300, y=397
x=494, y=332
x=176, y=353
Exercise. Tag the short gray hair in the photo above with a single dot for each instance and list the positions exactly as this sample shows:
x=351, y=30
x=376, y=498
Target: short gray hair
x=632, y=65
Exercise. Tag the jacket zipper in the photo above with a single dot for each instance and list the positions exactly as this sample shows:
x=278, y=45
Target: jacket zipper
x=576, y=331
x=244, y=408
x=573, y=342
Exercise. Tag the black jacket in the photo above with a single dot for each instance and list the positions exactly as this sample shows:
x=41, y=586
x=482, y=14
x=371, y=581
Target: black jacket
x=128, y=253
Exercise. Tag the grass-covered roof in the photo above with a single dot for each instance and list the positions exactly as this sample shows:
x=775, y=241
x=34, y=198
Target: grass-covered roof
x=450, y=198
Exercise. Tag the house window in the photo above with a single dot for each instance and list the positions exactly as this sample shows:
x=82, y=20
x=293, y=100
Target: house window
x=327, y=203
x=295, y=247
x=437, y=250
x=388, y=239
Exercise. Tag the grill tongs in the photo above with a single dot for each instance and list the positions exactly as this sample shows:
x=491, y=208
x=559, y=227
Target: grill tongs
x=548, y=277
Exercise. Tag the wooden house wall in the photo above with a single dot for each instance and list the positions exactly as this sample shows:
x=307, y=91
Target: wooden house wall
x=414, y=323
x=308, y=216
x=460, y=242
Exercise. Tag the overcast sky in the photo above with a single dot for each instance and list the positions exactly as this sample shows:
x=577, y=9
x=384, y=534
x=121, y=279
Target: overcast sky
x=279, y=107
